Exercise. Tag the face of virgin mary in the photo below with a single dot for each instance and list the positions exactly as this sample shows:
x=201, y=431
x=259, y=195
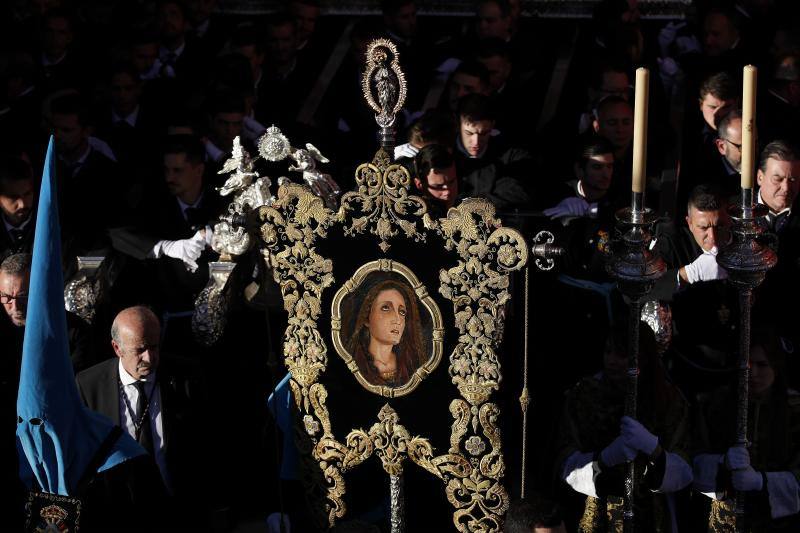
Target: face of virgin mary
x=387, y=318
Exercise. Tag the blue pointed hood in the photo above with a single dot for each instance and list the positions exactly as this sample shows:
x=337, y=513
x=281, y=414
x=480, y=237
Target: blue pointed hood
x=57, y=433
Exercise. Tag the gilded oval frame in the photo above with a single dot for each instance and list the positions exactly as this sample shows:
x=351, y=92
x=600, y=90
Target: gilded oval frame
x=437, y=325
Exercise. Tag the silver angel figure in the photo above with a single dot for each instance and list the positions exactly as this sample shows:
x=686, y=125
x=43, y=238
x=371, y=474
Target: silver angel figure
x=320, y=183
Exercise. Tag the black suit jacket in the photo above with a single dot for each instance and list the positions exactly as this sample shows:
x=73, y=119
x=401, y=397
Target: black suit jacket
x=181, y=398
x=10, y=246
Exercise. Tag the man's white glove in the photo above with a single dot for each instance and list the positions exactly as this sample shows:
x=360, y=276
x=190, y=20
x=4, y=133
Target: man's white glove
x=743, y=476
x=667, y=66
x=209, y=234
x=667, y=36
x=737, y=458
x=574, y=206
x=187, y=250
x=637, y=437
x=705, y=268
x=405, y=150
x=617, y=453
x=687, y=44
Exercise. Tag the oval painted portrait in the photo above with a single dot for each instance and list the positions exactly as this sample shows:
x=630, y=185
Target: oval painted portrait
x=387, y=328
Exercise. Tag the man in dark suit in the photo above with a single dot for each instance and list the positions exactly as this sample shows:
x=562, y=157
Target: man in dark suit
x=16, y=206
x=151, y=401
x=91, y=186
x=174, y=230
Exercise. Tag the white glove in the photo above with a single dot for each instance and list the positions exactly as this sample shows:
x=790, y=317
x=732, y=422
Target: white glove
x=617, y=452
x=252, y=129
x=667, y=36
x=737, y=458
x=187, y=250
x=405, y=150
x=214, y=152
x=705, y=268
x=574, y=206
x=747, y=479
x=743, y=476
x=687, y=44
x=637, y=437
x=209, y=234
x=667, y=66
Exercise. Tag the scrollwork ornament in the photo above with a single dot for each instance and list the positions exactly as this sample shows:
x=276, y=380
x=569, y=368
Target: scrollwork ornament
x=382, y=204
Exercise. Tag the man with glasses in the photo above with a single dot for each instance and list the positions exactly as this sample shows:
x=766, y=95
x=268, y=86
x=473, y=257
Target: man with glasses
x=437, y=179
x=726, y=175
x=15, y=277
x=14, y=280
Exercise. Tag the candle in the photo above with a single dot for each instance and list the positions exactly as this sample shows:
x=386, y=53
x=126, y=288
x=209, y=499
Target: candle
x=748, y=125
x=640, y=130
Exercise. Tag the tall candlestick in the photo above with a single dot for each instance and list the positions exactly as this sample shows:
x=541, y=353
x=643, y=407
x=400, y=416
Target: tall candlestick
x=640, y=130
x=748, y=125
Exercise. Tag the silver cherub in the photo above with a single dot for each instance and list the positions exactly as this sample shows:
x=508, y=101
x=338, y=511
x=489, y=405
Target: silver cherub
x=320, y=183
x=240, y=168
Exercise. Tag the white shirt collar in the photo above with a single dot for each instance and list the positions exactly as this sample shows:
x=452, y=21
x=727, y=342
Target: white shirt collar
x=130, y=119
x=46, y=62
x=163, y=51
x=771, y=212
x=779, y=97
x=127, y=379
x=184, y=206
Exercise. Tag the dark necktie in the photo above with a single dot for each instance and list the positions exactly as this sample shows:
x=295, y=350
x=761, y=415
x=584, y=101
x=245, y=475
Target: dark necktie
x=145, y=436
x=194, y=217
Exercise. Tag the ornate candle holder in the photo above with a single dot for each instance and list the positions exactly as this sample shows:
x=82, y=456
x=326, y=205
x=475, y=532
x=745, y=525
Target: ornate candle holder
x=635, y=268
x=746, y=260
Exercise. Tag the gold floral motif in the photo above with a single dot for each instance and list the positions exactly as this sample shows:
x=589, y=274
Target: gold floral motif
x=382, y=204
x=288, y=229
x=478, y=287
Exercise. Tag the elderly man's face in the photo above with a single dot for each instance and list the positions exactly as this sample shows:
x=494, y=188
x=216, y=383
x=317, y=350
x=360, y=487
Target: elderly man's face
x=779, y=184
x=138, y=347
x=14, y=296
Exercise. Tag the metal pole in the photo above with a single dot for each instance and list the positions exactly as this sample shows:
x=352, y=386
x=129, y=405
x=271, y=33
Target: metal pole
x=631, y=398
x=745, y=301
x=397, y=502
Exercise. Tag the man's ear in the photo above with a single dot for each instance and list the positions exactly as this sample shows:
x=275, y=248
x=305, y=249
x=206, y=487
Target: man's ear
x=116, y=348
x=759, y=177
x=720, y=144
x=596, y=125
x=418, y=184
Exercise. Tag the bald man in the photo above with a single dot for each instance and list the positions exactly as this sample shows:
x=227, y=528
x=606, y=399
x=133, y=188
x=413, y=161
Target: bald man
x=155, y=405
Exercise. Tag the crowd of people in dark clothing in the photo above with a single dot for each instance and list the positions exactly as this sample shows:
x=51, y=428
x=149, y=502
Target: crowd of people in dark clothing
x=145, y=98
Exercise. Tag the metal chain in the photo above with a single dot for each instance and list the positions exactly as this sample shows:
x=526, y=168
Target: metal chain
x=524, y=398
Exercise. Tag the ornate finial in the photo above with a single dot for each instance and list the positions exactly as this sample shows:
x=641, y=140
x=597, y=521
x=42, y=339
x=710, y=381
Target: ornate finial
x=273, y=145
x=384, y=84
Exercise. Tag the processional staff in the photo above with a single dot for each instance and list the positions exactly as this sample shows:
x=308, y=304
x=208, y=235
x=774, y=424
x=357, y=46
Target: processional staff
x=634, y=266
x=746, y=261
